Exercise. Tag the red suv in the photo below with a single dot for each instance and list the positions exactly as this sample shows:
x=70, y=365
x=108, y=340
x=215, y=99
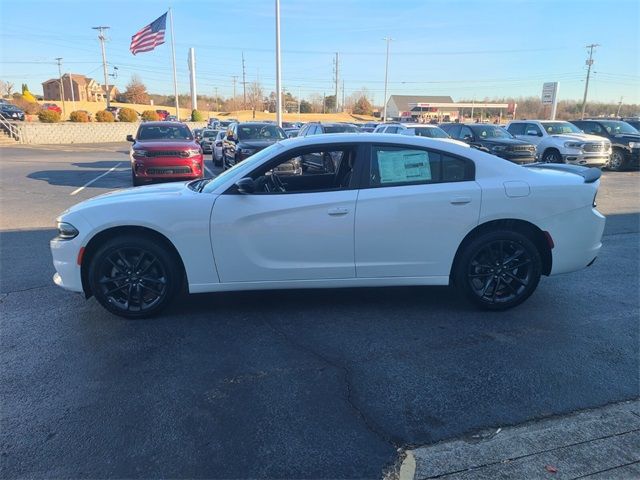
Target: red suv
x=165, y=151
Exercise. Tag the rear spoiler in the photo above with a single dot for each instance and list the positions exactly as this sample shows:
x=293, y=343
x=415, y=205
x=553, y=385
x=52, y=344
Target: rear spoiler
x=590, y=175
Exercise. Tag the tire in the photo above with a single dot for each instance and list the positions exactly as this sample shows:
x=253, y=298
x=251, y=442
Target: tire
x=552, y=155
x=134, y=180
x=216, y=162
x=134, y=276
x=481, y=274
x=616, y=161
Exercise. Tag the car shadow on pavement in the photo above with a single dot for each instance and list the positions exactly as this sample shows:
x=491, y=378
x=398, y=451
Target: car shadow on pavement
x=117, y=178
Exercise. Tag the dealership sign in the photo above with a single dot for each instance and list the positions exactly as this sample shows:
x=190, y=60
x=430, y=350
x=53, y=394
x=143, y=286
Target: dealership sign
x=549, y=92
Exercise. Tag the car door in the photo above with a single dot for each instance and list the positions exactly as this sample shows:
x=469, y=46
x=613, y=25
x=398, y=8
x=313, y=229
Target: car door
x=418, y=206
x=532, y=134
x=306, y=233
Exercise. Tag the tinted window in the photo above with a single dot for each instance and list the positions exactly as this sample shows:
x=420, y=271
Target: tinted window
x=260, y=132
x=516, y=129
x=430, y=132
x=452, y=130
x=169, y=132
x=490, y=131
x=393, y=166
x=392, y=130
x=339, y=129
x=532, y=129
x=209, y=133
x=465, y=132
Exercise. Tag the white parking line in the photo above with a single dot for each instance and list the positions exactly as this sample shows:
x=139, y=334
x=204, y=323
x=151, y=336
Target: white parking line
x=78, y=190
x=208, y=171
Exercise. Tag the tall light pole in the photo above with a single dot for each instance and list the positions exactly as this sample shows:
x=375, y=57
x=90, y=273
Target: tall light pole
x=278, y=75
x=59, y=60
x=104, y=62
x=386, y=77
x=586, y=85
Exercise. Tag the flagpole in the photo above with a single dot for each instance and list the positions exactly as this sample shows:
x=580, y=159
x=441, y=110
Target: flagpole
x=175, y=74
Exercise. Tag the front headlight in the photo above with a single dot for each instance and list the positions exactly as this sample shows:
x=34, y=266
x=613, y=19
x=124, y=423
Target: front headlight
x=193, y=152
x=498, y=148
x=634, y=144
x=66, y=231
x=573, y=145
x=139, y=153
x=246, y=151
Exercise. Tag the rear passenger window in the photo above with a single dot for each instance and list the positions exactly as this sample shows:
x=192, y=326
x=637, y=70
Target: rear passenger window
x=516, y=128
x=393, y=166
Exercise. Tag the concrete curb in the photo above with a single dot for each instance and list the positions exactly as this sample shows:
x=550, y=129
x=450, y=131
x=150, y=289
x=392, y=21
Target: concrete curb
x=598, y=443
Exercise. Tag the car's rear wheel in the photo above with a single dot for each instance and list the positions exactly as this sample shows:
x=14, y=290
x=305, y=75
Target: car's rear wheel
x=499, y=270
x=134, y=277
x=552, y=156
x=616, y=160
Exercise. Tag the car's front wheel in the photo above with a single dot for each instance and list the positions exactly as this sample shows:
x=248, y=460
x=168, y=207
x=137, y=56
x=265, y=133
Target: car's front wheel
x=616, y=160
x=499, y=270
x=134, y=277
x=552, y=156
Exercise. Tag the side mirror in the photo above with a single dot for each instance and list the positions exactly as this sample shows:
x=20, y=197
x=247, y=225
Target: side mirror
x=246, y=185
x=467, y=138
x=130, y=138
x=533, y=133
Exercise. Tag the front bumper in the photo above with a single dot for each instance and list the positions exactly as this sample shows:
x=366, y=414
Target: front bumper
x=168, y=168
x=65, y=260
x=632, y=157
x=519, y=158
x=587, y=159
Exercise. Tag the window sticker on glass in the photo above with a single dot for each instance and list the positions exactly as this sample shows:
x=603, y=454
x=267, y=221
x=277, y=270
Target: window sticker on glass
x=403, y=166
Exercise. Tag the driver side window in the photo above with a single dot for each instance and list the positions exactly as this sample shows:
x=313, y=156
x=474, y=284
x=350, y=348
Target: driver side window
x=309, y=170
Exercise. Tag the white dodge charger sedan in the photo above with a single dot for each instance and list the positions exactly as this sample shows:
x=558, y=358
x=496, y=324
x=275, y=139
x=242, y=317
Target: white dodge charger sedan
x=329, y=211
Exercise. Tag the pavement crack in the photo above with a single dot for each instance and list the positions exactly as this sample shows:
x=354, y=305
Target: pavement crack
x=369, y=424
x=4, y=295
x=606, y=470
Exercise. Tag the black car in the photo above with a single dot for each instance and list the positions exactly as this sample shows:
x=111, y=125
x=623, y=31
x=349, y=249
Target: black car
x=625, y=140
x=244, y=139
x=9, y=111
x=633, y=121
x=492, y=139
x=317, y=128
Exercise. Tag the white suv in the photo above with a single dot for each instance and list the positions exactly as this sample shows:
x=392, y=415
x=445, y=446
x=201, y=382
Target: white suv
x=562, y=142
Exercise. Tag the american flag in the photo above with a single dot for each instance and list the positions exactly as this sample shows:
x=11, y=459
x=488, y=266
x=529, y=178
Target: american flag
x=150, y=36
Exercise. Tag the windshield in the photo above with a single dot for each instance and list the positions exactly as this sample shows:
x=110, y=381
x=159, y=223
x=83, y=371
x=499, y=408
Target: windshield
x=340, y=129
x=559, y=128
x=491, y=131
x=243, y=167
x=615, y=127
x=430, y=132
x=169, y=132
x=260, y=132
x=209, y=133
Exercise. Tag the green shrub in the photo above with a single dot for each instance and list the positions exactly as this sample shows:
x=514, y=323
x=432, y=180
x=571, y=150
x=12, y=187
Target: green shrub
x=79, y=117
x=197, y=116
x=127, y=115
x=150, y=116
x=105, y=116
x=48, y=116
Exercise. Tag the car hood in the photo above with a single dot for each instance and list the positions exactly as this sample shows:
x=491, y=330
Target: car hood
x=156, y=191
x=165, y=144
x=257, y=144
x=504, y=141
x=580, y=137
x=629, y=137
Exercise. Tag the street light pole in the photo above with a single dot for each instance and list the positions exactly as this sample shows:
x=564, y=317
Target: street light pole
x=278, y=75
x=386, y=77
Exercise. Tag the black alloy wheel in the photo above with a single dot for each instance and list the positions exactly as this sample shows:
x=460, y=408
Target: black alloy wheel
x=499, y=270
x=552, y=156
x=133, y=277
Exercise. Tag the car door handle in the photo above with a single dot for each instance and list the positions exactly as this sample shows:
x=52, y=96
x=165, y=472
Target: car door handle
x=338, y=211
x=460, y=200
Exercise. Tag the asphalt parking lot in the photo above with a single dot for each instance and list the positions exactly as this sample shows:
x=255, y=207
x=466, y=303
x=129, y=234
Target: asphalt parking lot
x=307, y=384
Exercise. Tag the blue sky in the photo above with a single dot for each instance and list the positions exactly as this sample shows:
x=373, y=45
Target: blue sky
x=463, y=48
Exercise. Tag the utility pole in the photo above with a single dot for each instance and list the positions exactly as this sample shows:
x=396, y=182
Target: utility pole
x=217, y=106
x=619, y=107
x=59, y=59
x=343, y=93
x=244, y=85
x=235, y=78
x=386, y=78
x=191, y=60
x=336, y=70
x=586, y=85
x=324, y=100
x=104, y=62
x=278, y=69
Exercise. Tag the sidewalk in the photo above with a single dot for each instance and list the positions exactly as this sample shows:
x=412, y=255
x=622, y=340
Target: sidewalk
x=600, y=444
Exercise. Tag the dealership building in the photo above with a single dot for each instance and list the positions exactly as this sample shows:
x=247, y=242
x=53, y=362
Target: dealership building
x=420, y=108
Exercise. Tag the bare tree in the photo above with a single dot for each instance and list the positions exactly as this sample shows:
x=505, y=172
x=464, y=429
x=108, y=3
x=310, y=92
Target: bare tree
x=136, y=91
x=6, y=88
x=255, y=96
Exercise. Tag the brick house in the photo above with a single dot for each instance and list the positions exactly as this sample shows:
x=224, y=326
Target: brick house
x=84, y=89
